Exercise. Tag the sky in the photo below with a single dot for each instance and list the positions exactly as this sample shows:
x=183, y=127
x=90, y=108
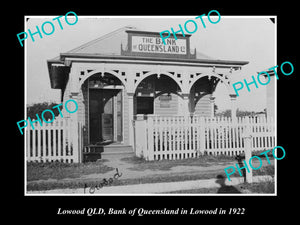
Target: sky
x=248, y=38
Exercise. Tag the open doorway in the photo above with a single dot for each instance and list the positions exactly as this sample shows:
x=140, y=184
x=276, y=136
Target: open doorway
x=105, y=116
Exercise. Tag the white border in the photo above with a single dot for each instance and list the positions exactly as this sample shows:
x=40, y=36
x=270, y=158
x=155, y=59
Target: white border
x=187, y=16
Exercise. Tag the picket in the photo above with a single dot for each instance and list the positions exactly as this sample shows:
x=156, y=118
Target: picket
x=54, y=142
x=180, y=137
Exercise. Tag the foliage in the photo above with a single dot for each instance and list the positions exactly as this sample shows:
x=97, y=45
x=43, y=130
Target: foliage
x=239, y=113
x=38, y=108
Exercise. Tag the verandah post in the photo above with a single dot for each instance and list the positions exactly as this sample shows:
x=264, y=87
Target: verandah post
x=130, y=97
x=233, y=107
x=73, y=134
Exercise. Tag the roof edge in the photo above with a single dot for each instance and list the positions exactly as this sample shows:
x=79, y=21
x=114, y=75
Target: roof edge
x=154, y=33
x=99, y=56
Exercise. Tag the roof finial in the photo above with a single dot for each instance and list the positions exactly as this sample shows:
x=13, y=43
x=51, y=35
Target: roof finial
x=130, y=27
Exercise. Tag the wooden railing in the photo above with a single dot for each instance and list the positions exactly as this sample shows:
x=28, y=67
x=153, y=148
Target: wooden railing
x=60, y=141
x=180, y=137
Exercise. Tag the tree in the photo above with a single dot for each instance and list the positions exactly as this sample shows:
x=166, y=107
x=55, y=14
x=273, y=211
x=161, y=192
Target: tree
x=239, y=113
x=215, y=109
x=225, y=113
x=38, y=108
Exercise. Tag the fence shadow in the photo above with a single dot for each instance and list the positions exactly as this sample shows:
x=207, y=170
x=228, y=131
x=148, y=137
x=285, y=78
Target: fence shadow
x=240, y=159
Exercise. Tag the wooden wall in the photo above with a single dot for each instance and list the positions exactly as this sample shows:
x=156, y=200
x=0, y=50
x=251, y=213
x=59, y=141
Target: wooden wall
x=200, y=102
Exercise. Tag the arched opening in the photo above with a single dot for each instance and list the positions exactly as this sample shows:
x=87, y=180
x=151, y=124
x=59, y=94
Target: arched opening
x=159, y=95
x=103, y=97
x=207, y=92
x=222, y=100
x=201, y=99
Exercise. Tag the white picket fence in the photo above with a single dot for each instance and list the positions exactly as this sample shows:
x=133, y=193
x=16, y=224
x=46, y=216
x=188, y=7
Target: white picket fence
x=179, y=137
x=60, y=141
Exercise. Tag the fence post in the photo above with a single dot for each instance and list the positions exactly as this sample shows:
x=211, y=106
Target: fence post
x=248, y=147
x=27, y=139
x=80, y=142
x=140, y=140
x=150, y=137
x=202, y=135
x=74, y=136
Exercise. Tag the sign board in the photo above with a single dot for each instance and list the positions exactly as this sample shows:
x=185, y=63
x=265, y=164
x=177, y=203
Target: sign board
x=146, y=44
x=165, y=101
x=150, y=44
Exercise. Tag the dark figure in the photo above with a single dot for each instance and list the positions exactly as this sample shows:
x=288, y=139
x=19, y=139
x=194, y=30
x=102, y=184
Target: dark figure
x=225, y=188
x=240, y=158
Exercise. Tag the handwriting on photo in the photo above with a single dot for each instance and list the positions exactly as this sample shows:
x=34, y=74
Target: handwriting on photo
x=104, y=182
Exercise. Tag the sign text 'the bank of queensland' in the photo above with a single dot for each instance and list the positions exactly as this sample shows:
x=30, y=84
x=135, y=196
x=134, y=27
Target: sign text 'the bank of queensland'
x=155, y=45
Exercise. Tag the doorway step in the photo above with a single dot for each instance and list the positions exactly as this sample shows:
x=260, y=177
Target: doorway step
x=117, y=150
x=94, y=152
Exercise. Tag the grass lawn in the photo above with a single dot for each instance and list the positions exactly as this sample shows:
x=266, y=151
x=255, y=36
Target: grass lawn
x=58, y=170
x=140, y=164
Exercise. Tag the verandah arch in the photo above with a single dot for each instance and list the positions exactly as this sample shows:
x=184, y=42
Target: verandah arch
x=213, y=81
x=209, y=75
x=174, y=76
x=103, y=73
x=159, y=95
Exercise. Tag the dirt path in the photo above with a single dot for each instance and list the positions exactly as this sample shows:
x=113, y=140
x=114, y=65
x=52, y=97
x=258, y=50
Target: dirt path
x=131, y=171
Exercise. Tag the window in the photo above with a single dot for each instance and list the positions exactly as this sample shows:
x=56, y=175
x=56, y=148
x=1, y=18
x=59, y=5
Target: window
x=144, y=105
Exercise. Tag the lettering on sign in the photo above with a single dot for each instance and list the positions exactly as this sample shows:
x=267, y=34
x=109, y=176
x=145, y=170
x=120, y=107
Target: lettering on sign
x=155, y=45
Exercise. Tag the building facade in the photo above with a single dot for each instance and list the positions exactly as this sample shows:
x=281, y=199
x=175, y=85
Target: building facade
x=130, y=72
x=271, y=95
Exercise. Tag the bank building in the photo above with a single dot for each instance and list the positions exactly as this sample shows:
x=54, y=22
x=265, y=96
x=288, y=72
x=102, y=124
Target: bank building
x=137, y=95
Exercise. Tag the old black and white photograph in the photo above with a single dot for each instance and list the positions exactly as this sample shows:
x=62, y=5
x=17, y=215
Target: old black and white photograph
x=151, y=105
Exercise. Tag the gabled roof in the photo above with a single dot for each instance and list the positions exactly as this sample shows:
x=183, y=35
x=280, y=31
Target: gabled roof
x=110, y=44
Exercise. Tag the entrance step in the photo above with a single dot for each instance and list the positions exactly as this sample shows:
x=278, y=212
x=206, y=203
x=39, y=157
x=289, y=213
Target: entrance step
x=94, y=152
x=117, y=150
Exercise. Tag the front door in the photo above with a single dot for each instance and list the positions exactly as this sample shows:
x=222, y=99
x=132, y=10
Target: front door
x=105, y=115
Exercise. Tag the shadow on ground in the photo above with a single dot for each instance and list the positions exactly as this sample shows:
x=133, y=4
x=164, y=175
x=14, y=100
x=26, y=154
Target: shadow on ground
x=225, y=188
